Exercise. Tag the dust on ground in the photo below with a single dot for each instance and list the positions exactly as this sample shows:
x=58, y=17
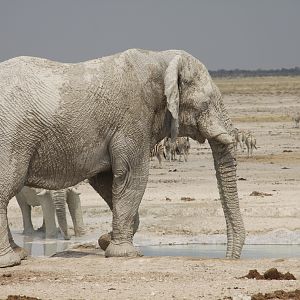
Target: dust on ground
x=181, y=205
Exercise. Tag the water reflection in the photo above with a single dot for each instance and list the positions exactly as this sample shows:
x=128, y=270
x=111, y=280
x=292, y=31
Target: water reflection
x=36, y=245
x=219, y=251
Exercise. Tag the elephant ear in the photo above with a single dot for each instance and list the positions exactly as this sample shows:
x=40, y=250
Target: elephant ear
x=172, y=92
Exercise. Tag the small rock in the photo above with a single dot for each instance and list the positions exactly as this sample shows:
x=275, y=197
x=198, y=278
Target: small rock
x=262, y=194
x=187, y=199
x=271, y=274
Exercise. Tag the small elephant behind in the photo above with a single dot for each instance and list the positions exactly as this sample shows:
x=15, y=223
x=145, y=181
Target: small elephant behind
x=52, y=202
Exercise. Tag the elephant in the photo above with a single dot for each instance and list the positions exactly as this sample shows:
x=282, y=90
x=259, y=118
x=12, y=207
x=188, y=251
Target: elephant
x=62, y=123
x=52, y=202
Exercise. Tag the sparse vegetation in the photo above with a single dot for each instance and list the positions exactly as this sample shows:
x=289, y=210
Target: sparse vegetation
x=262, y=118
x=255, y=73
x=271, y=85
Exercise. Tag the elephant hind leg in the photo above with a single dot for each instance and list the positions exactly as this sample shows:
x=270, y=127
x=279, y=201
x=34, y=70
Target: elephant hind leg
x=7, y=256
x=11, y=181
x=23, y=253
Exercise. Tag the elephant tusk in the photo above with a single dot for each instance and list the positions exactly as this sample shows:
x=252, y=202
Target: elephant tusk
x=74, y=191
x=224, y=138
x=42, y=193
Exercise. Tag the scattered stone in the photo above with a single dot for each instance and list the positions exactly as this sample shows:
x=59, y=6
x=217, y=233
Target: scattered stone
x=271, y=274
x=7, y=275
x=285, y=168
x=254, y=274
x=187, y=199
x=174, y=170
x=88, y=245
x=287, y=150
x=279, y=294
x=168, y=199
x=275, y=274
x=21, y=297
x=261, y=194
x=242, y=179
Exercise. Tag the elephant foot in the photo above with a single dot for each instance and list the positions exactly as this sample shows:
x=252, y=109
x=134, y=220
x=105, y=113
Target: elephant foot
x=51, y=235
x=9, y=259
x=104, y=240
x=40, y=229
x=66, y=237
x=23, y=253
x=80, y=232
x=18, y=250
x=123, y=249
x=29, y=231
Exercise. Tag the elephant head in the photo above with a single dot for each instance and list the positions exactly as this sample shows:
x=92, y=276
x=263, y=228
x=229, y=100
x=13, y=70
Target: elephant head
x=196, y=109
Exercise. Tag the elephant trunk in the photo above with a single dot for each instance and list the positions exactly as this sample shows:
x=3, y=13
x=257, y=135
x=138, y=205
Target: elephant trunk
x=225, y=166
x=59, y=200
x=74, y=205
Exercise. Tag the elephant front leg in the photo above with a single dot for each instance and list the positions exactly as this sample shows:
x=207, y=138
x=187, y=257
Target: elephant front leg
x=48, y=214
x=26, y=214
x=129, y=183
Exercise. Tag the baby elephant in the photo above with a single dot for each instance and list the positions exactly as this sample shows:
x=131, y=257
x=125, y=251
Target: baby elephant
x=51, y=202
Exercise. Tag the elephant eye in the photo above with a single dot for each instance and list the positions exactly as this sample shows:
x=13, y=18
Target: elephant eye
x=183, y=80
x=204, y=106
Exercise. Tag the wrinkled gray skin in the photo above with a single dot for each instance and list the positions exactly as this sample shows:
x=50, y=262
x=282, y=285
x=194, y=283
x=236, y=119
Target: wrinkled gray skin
x=52, y=202
x=62, y=123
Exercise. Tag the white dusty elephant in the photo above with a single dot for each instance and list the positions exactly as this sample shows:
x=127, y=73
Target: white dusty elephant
x=52, y=202
x=62, y=123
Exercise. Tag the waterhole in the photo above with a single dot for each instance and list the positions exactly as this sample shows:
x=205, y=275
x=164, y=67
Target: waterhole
x=38, y=246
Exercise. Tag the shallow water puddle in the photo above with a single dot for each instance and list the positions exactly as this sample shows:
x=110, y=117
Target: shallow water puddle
x=38, y=246
x=219, y=251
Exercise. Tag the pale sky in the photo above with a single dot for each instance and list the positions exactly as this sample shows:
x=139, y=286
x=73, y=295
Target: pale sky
x=229, y=34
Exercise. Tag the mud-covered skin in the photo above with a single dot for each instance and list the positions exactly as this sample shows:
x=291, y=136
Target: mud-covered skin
x=62, y=123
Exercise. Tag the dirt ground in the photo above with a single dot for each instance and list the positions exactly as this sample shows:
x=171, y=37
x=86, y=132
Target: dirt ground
x=181, y=205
